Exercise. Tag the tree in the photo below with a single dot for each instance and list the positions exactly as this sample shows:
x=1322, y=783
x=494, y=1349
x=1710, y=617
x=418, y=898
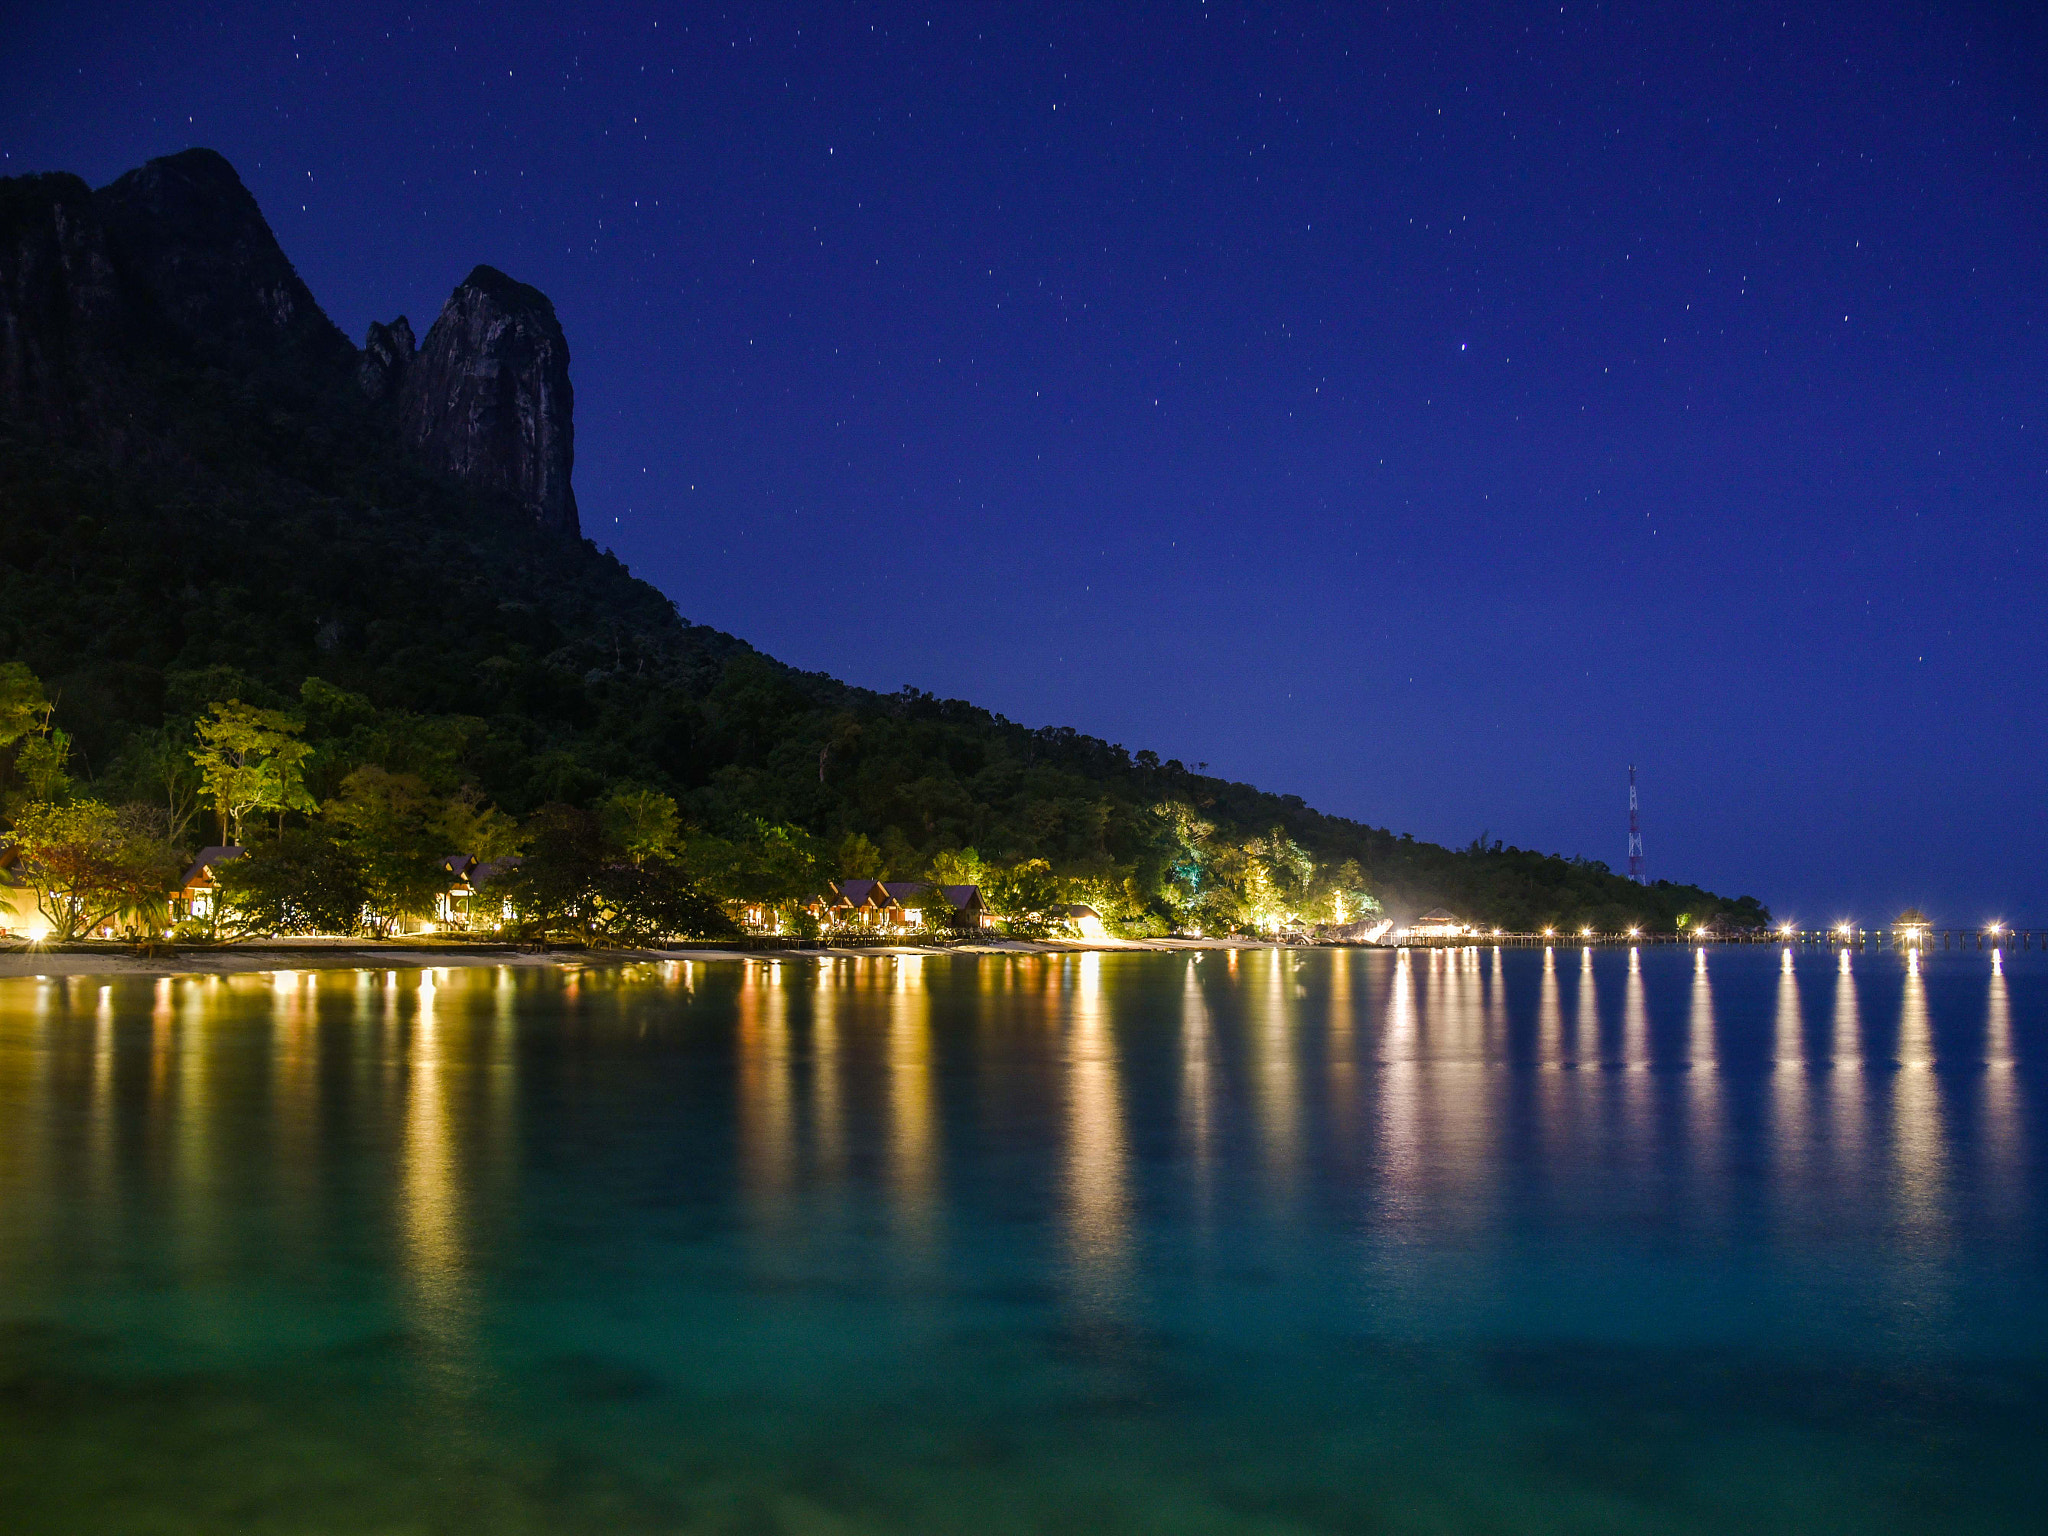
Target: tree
x=957, y=866
x=41, y=765
x=1026, y=892
x=305, y=882
x=573, y=886
x=860, y=859
x=1278, y=881
x=650, y=902
x=391, y=827
x=1184, y=883
x=157, y=765
x=641, y=823
x=251, y=760
x=1342, y=896
x=783, y=864
x=772, y=863
x=554, y=887
x=89, y=864
x=39, y=761
x=469, y=825
x=24, y=707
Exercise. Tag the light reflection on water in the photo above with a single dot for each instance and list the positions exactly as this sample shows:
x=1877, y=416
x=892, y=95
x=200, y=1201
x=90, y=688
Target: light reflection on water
x=1340, y=1239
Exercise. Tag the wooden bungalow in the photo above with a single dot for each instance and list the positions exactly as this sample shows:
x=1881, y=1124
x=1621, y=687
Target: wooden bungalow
x=469, y=901
x=965, y=901
x=197, y=896
x=894, y=906
x=1438, y=923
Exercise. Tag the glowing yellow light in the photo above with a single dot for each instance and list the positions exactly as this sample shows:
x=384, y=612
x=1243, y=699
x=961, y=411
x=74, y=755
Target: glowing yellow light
x=1585, y=933
x=1549, y=932
x=1633, y=932
x=1994, y=928
x=37, y=935
x=1785, y=928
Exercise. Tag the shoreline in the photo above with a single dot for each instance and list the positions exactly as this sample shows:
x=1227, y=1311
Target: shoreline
x=263, y=955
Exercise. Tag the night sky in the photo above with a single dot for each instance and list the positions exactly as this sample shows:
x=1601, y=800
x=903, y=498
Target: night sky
x=1429, y=412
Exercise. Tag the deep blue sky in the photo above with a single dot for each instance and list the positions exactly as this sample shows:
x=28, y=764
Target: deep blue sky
x=1426, y=411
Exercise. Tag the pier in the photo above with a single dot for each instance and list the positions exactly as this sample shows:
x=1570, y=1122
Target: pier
x=1918, y=940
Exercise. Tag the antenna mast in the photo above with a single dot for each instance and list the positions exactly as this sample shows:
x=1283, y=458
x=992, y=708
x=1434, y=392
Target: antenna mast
x=1635, y=832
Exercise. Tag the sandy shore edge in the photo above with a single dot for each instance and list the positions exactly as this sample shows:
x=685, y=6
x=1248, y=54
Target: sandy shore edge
x=354, y=955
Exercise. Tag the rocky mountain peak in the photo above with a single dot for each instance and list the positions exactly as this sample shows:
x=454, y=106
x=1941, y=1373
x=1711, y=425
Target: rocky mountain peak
x=487, y=397
x=174, y=264
x=194, y=249
x=388, y=352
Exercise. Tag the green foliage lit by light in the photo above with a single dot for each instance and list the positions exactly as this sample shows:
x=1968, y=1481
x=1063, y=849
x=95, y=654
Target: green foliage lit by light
x=251, y=760
x=90, y=863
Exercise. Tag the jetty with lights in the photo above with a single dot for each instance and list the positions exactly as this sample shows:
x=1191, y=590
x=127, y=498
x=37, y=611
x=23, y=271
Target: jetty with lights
x=1912, y=930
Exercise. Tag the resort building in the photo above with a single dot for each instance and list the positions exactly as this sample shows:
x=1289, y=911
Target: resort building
x=894, y=906
x=1911, y=928
x=1437, y=923
x=451, y=907
x=198, y=891
x=467, y=903
x=1086, y=921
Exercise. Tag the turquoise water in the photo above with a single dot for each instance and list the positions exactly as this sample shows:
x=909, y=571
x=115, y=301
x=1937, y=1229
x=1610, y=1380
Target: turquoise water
x=1266, y=1242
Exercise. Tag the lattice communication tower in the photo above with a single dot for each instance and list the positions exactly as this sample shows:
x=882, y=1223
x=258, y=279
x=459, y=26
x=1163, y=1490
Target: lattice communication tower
x=1635, y=832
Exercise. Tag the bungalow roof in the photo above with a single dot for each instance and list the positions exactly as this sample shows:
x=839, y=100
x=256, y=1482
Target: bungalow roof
x=881, y=894
x=204, y=861
x=903, y=892
x=481, y=875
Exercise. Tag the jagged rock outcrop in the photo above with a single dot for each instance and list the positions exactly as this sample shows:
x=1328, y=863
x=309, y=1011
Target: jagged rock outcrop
x=487, y=397
x=108, y=297
x=61, y=311
x=387, y=358
x=196, y=255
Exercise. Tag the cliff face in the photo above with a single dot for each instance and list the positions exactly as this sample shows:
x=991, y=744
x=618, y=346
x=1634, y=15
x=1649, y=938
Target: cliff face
x=195, y=253
x=487, y=398
x=61, y=312
x=108, y=298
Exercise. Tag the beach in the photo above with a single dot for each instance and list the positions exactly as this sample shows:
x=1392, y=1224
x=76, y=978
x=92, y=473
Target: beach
x=416, y=954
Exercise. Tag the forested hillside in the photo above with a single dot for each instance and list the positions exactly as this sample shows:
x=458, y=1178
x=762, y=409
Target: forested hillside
x=192, y=515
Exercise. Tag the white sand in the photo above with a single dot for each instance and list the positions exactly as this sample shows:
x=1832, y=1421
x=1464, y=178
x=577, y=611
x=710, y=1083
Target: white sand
x=358, y=955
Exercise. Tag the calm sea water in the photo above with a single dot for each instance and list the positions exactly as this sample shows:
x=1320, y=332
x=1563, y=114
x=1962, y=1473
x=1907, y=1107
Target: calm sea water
x=1263, y=1242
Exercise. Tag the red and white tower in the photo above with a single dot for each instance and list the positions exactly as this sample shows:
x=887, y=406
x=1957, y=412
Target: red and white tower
x=1635, y=832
